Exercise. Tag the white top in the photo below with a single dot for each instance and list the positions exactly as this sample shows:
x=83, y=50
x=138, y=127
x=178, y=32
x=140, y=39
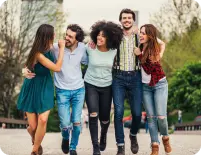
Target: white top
x=146, y=78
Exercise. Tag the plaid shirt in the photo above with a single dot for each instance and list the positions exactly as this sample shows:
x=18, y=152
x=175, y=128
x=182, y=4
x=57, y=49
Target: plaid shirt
x=155, y=69
x=127, y=56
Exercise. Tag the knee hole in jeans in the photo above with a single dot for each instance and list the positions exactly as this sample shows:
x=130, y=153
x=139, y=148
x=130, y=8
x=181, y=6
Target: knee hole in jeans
x=76, y=124
x=161, y=117
x=151, y=116
x=105, y=122
x=93, y=114
x=67, y=128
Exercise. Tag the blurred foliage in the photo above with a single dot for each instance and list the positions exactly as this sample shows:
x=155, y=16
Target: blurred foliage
x=181, y=50
x=185, y=88
x=53, y=121
x=186, y=117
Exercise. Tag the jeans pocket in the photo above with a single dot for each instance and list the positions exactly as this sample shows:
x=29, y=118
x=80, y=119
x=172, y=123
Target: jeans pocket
x=162, y=83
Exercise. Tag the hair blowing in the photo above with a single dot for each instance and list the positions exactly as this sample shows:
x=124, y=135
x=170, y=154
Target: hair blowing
x=44, y=37
x=152, y=50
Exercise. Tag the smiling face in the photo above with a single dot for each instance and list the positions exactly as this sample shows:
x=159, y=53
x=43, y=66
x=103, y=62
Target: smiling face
x=101, y=39
x=127, y=20
x=143, y=36
x=70, y=38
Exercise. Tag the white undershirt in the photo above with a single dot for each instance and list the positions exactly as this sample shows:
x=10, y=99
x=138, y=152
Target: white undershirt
x=146, y=78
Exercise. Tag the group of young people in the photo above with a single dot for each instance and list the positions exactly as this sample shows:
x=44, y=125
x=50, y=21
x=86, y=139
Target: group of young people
x=120, y=60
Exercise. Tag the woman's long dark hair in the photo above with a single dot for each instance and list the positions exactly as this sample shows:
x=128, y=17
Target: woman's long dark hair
x=152, y=51
x=43, y=39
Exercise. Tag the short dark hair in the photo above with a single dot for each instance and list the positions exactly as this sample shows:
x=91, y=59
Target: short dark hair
x=113, y=33
x=128, y=11
x=78, y=30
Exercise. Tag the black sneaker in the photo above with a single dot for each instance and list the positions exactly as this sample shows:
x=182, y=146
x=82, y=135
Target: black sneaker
x=96, y=149
x=103, y=139
x=65, y=146
x=134, y=144
x=73, y=152
x=121, y=150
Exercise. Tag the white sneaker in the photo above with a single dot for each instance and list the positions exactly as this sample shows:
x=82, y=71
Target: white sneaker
x=1, y=152
x=199, y=152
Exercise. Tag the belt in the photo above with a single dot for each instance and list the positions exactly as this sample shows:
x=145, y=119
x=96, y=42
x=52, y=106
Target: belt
x=116, y=71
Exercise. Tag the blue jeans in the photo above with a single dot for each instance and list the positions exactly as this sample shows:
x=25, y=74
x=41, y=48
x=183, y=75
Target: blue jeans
x=65, y=100
x=129, y=82
x=155, y=104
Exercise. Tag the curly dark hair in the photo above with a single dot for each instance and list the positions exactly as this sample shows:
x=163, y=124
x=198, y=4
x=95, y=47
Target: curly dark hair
x=113, y=33
x=128, y=11
x=78, y=30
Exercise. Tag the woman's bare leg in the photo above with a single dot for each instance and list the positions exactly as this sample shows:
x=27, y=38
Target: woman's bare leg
x=33, y=122
x=41, y=130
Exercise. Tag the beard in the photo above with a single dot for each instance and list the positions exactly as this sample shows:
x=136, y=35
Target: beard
x=68, y=44
x=127, y=28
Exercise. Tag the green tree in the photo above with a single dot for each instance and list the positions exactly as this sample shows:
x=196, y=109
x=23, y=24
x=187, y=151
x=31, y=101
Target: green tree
x=182, y=49
x=185, y=88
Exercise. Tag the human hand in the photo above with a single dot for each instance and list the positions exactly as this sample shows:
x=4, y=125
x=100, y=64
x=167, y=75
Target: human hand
x=137, y=51
x=92, y=45
x=135, y=30
x=27, y=73
x=61, y=44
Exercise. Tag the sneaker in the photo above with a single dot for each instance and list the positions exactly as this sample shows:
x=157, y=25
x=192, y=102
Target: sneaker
x=73, y=152
x=155, y=149
x=65, y=146
x=166, y=143
x=103, y=139
x=96, y=149
x=121, y=150
x=134, y=144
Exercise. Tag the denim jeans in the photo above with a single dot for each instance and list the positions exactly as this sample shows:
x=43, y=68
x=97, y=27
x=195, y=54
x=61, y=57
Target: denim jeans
x=129, y=82
x=65, y=100
x=99, y=100
x=155, y=104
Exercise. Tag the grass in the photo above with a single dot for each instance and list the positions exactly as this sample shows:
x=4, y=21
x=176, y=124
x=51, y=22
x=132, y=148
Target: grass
x=186, y=117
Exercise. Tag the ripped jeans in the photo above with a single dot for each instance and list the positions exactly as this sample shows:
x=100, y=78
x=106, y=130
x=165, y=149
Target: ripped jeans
x=99, y=100
x=65, y=100
x=155, y=104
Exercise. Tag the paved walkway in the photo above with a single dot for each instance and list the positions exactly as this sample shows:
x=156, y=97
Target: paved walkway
x=17, y=142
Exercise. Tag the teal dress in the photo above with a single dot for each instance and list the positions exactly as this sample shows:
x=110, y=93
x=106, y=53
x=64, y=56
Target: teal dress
x=37, y=94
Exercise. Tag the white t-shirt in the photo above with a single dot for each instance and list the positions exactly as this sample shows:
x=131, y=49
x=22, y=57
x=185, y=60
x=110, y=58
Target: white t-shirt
x=146, y=78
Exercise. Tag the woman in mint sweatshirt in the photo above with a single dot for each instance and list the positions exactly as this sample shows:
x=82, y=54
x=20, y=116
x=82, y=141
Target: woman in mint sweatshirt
x=107, y=37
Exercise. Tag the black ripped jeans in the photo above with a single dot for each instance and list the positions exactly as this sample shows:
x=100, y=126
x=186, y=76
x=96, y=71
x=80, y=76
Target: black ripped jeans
x=98, y=101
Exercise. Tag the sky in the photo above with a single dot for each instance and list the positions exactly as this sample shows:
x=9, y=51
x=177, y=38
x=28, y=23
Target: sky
x=87, y=12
